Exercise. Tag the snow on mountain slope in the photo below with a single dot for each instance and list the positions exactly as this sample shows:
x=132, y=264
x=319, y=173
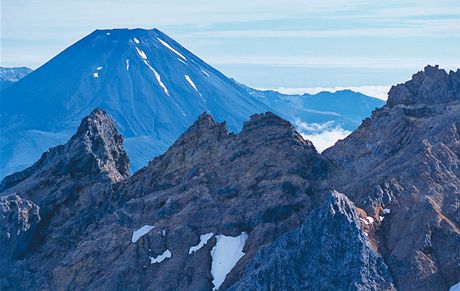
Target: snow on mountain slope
x=152, y=86
x=8, y=76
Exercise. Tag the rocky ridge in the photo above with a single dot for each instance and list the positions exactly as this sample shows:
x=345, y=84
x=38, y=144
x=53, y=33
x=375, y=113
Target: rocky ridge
x=330, y=244
x=395, y=226
x=50, y=196
x=402, y=167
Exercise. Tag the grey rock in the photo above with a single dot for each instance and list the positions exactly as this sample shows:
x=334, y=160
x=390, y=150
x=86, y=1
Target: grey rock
x=430, y=86
x=63, y=183
x=210, y=180
x=405, y=158
x=17, y=216
x=329, y=251
x=401, y=165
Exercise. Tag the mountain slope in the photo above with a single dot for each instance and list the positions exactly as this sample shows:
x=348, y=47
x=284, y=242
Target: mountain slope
x=42, y=208
x=345, y=109
x=9, y=76
x=265, y=194
x=146, y=81
x=164, y=226
x=330, y=251
x=402, y=166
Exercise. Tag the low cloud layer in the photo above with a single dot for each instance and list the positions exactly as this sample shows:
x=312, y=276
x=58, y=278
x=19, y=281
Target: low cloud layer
x=323, y=135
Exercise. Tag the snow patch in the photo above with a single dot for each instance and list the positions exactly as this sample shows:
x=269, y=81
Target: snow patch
x=203, y=241
x=99, y=68
x=136, y=40
x=160, y=258
x=171, y=48
x=205, y=73
x=381, y=218
x=368, y=220
x=127, y=64
x=455, y=287
x=189, y=80
x=158, y=77
x=225, y=254
x=96, y=75
x=387, y=210
x=137, y=234
x=141, y=53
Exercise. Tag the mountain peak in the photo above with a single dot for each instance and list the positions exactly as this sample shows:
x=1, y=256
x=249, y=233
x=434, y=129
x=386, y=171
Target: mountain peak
x=161, y=88
x=205, y=128
x=269, y=126
x=104, y=143
x=430, y=86
x=97, y=120
x=264, y=119
x=95, y=150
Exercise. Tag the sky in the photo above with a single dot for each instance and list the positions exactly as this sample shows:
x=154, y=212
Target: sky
x=290, y=45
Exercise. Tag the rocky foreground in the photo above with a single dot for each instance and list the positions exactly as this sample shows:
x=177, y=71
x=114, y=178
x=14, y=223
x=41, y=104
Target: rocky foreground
x=261, y=209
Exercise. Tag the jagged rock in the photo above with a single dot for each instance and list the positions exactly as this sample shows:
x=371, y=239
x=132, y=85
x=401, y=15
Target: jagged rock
x=17, y=216
x=329, y=251
x=100, y=229
x=64, y=184
x=96, y=149
x=405, y=159
x=261, y=181
x=430, y=86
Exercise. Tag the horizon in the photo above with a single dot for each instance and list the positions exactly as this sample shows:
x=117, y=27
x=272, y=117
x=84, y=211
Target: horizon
x=276, y=44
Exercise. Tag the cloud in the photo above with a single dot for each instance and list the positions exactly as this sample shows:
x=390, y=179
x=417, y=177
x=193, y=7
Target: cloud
x=322, y=135
x=334, y=62
x=437, y=29
x=378, y=91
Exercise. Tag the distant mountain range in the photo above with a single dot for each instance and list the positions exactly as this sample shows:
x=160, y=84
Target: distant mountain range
x=9, y=76
x=153, y=87
x=344, y=108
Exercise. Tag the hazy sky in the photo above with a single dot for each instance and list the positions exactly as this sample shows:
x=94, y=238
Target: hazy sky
x=266, y=44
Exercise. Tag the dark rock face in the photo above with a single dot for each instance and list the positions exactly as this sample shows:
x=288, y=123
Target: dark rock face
x=17, y=216
x=261, y=181
x=405, y=159
x=430, y=86
x=96, y=149
x=84, y=224
x=329, y=251
x=63, y=183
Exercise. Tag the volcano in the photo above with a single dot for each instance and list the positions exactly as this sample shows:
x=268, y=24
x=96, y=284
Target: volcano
x=152, y=86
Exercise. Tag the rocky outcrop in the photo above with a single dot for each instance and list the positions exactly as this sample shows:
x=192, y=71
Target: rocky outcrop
x=55, y=201
x=96, y=149
x=402, y=167
x=265, y=193
x=329, y=251
x=17, y=216
x=261, y=181
x=428, y=87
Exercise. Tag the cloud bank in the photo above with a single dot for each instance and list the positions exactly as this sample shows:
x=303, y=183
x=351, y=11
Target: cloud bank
x=323, y=135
